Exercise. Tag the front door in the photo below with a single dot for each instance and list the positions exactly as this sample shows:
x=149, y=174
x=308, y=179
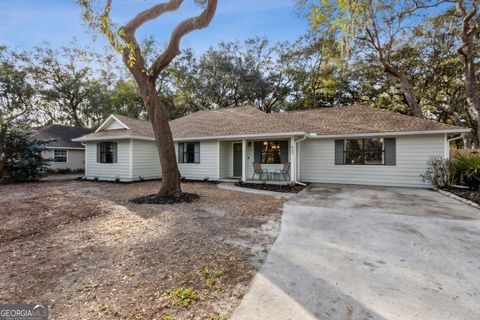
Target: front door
x=237, y=159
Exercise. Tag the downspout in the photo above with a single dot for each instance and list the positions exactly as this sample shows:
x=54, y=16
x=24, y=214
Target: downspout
x=456, y=138
x=298, y=160
x=453, y=139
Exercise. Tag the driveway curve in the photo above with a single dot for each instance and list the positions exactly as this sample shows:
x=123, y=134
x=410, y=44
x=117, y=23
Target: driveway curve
x=356, y=252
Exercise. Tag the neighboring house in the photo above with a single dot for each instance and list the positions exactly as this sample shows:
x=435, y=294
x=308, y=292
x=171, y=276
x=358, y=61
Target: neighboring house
x=64, y=153
x=348, y=145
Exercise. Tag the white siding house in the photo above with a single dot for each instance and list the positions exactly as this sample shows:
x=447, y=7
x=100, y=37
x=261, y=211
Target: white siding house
x=317, y=163
x=347, y=145
x=63, y=153
x=108, y=171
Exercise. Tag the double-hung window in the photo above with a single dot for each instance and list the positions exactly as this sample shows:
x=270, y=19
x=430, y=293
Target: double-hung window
x=60, y=155
x=189, y=152
x=107, y=152
x=364, y=151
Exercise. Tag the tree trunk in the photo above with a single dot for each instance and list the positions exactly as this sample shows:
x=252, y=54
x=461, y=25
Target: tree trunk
x=166, y=148
x=407, y=89
x=467, y=50
x=471, y=82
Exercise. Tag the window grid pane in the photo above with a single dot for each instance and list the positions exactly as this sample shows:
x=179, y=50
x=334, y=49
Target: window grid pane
x=60, y=155
x=364, y=151
x=107, y=150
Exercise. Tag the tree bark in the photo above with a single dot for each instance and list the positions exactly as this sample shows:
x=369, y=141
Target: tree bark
x=146, y=77
x=407, y=89
x=467, y=51
x=164, y=140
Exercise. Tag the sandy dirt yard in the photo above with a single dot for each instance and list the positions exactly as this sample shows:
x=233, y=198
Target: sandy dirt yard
x=88, y=253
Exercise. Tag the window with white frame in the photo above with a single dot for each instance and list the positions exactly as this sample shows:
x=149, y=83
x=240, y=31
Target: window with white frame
x=60, y=155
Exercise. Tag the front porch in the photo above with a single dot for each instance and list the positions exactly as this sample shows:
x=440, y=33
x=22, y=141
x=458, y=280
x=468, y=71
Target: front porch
x=236, y=159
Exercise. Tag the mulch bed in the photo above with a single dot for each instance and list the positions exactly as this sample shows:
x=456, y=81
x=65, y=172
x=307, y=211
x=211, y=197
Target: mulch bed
x=272, y=187
x=156, y=199
x=469, y=194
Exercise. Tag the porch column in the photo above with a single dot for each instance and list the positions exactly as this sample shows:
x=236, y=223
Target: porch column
x=293, y=159
x=244, y=160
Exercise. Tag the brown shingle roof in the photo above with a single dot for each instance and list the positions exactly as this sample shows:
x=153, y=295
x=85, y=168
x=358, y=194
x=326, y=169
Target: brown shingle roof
x=250, y=121
x=358, y=119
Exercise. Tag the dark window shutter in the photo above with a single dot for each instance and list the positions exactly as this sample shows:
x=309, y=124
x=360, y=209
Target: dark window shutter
x=339, y=152
x=180, y=153
x=390, y=151
x=284, y=151
x=256, y=151
x=99, y=153
x=114, y=152
x=197, y=152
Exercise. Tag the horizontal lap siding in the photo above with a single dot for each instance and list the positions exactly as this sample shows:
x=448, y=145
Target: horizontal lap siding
x=109, y=171
x=76, y=160
x=318, y=163
x=208, y=166
x=146, y=163
x=226, y=159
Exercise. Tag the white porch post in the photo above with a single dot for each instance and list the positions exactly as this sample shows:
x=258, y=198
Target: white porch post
x=293, y=159
x=244, y=160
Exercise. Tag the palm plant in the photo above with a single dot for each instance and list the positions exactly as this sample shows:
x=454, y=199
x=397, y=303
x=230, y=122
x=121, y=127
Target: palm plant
x=467, y=165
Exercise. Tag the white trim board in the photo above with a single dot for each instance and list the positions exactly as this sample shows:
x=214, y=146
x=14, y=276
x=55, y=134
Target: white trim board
x=386, y=134
x=108, y=121
x=67, y=148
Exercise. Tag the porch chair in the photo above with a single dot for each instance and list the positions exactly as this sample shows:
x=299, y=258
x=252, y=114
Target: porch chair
x=285, y=171
x=257, y=169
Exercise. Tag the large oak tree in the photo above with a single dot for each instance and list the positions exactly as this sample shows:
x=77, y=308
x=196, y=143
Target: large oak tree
x=125, y=42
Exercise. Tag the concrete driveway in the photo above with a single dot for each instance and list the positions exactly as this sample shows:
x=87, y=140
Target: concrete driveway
x=355, y=252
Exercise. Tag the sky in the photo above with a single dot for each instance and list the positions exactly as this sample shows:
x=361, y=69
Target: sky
x=27, y=23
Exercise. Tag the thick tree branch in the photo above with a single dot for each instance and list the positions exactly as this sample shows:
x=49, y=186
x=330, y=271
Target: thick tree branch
x=150, y=14
x=185, y=27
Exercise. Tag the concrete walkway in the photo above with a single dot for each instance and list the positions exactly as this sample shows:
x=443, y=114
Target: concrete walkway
x=233, y=187
x=349, y=252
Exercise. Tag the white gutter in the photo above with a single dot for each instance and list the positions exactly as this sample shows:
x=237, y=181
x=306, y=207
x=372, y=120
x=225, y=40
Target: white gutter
x=456, y=138
x=386, y=134
x=75, y=148
x=232, y=137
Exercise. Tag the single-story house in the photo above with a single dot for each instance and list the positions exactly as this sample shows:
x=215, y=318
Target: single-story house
x=348, y=145
x=64, y=153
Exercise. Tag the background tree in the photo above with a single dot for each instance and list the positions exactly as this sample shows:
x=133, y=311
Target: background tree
x=232, y=74
x=378, y=27
x=71, y=85
x=16, y=92
x=125, y=42
x=469, y=29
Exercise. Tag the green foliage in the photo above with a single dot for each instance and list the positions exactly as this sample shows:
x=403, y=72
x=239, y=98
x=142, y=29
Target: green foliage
x=232, y=74
x=16, y=92
x=168, y=317
x=440, y=172
x=467, y=165
x=20, y=157
x=183, y=296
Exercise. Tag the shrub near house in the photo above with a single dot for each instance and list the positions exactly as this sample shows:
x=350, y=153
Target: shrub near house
x=20, y=157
